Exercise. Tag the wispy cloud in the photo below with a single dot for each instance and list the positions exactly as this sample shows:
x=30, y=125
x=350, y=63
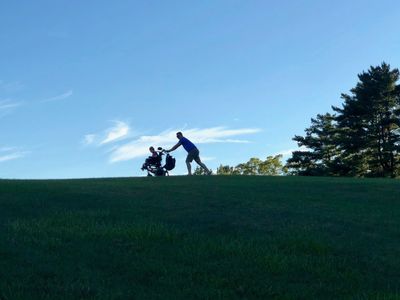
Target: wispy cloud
x=139, y=147
x=11, y=153
x=208, y=158
x=8, y=104
x=118, y=132
x=218, y=134
x=290, y=151
x=58, y=97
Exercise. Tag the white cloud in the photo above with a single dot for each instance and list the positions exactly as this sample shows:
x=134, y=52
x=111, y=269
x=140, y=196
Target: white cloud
x=119, y=131
x=63, y=96
x=218, y=134
x=8, y=104
x=129, y=151
x=207, y=158
x=9, y=153
x=289, y=151
x=139, y=147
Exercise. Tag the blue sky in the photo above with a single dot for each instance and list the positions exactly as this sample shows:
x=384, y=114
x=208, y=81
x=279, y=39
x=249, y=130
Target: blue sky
x=87, y=86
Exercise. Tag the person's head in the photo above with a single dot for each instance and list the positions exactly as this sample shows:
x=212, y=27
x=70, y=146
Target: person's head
x=152, y=149
x=179, y=135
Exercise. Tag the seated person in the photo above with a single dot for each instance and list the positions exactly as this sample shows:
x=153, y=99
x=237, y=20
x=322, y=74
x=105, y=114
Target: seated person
x=153, y=159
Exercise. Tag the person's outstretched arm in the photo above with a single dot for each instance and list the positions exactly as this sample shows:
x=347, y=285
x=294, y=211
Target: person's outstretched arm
x=174, y=147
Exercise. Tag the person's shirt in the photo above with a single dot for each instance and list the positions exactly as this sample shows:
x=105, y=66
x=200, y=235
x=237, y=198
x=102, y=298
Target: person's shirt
x=154, y=154
x=188, y=145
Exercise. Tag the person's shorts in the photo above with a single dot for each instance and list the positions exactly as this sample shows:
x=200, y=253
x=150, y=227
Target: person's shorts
x=193, y=154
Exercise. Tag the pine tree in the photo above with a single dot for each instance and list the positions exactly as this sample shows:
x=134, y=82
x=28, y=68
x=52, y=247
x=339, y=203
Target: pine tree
x=321, y=156
x=369, y=123
x=362, y=138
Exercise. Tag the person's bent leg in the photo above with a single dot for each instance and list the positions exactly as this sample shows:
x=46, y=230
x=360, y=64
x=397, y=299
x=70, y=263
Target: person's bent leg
x=201, y=164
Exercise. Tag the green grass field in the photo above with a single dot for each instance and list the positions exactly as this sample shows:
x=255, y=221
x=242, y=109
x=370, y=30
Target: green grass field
x=200, y=237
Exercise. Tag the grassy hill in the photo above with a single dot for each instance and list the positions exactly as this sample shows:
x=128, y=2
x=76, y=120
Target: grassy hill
x=200, y=238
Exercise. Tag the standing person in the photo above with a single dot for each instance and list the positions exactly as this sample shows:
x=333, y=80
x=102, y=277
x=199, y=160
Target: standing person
x=193, y=153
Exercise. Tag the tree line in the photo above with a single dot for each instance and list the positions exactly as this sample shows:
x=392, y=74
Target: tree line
x=271, y=166
x=359, y=139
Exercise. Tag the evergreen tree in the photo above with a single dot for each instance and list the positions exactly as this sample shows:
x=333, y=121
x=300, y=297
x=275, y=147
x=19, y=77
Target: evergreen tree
x=369, y=123
x=321, y=156
x=362, y=138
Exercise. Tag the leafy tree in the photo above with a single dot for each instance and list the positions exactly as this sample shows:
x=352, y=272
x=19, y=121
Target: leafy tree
x=225, y=170
x=251, y=167
x=199, y=171
x=272, y=165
